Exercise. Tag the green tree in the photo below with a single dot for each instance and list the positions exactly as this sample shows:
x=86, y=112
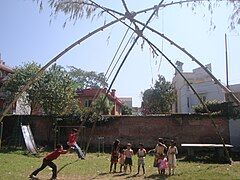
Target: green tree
x=87, y=79
x=102, y=105
x=16, y=80
x=53, y=91
x=58, y=94
x=126, y=110
x=158, y=99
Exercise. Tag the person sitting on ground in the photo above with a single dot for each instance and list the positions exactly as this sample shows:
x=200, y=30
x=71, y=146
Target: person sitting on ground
x=47, y=161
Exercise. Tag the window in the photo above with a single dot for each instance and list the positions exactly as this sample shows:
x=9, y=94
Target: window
x=88, y=103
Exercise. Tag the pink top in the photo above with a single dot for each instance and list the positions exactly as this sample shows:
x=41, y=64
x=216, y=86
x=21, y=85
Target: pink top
x=163, y=163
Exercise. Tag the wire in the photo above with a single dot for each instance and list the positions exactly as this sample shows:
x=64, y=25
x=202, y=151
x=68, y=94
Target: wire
x=120, y=55
x=117, y=50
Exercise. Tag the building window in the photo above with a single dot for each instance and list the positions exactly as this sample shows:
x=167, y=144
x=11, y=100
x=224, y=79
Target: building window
x=88, y=103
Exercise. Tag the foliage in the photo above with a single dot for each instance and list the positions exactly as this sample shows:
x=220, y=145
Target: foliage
x=57, y=95
x=54, y=91
x=158, y=99
x=126, y=110
x=79, y=9
x=223, y=108
x=16, y=80
x=102, y=105
x=84, y=79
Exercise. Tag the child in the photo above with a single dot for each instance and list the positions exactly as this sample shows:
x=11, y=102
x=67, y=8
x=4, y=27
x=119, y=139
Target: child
x=114, y=155
x=172, y=160
x=121, y=159
x=141, y=155
x=159, y=151
x=128, y=160
x=72, y=137
x=162, y=164
x=47, y=161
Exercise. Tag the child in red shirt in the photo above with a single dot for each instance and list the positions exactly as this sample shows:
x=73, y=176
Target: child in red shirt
x=47, y=161
x=72, y=138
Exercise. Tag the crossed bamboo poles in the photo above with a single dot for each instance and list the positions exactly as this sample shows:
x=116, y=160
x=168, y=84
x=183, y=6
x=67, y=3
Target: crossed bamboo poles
x=131, y=17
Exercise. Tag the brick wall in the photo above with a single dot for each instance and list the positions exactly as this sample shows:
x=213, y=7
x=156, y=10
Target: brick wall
x=182, y=128
x=133, y=129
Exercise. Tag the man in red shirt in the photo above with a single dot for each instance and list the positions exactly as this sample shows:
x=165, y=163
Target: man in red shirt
x=47, y=161
x=72, y=138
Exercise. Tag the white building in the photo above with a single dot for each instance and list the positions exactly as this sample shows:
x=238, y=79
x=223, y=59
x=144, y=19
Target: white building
x=203, y=85
x=126, y=101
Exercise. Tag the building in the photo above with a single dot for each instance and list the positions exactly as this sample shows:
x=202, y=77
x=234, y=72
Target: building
x=126, y=101
x=201, y=82
x=87, y=96
x=235, y=88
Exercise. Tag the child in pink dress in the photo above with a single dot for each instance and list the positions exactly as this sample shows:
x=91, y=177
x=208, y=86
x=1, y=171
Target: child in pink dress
x=162, y=164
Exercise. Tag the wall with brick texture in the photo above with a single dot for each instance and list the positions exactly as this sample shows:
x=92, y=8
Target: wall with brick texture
x=182, y=128
x=133, y=129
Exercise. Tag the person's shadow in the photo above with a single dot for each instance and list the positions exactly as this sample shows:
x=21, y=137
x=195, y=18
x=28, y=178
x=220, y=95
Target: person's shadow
x=66, y=166
x=158, y=176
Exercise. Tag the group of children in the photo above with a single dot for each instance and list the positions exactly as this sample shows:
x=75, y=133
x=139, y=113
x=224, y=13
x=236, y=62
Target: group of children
x=162, y=160
x=124, y=157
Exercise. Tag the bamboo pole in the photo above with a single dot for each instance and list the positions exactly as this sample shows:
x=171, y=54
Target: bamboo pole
x=236, y=100
x=199, y=98
x=139, y=33
x=40, y=72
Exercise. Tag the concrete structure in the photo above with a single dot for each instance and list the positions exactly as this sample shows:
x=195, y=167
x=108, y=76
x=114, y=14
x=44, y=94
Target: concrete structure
x=126, y=101
x=201, y=82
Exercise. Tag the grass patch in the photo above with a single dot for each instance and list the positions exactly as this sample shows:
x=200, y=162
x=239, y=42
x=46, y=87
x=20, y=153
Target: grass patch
x=18, y=165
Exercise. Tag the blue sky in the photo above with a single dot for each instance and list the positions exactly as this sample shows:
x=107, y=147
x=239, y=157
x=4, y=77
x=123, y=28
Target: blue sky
x=26, y=35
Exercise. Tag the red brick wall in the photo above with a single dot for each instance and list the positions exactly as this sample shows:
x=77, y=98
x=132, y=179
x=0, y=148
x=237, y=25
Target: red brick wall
x=133, y=129
x=184, y=129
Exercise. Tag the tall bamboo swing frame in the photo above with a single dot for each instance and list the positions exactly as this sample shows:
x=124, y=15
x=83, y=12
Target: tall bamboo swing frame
x=131, y=17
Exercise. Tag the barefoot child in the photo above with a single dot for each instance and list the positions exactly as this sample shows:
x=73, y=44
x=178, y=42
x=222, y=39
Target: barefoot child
x=141, y=155
x=121, y=159
x=72, y=138
x=172, y=160
x=47, y=161
x=114, y=155
x=162, y=164
x=128, y=160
